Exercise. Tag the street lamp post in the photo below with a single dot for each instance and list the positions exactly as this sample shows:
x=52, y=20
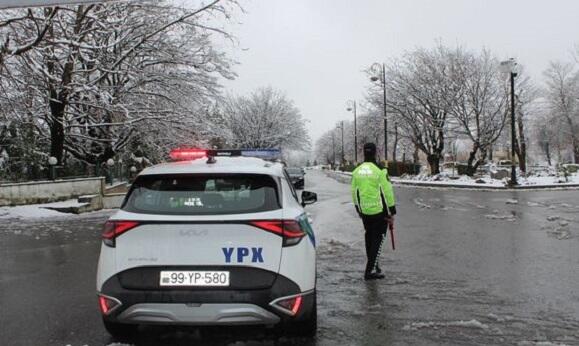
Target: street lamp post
x=509, y=67
x=109, y=178
x=132, y=173
x=52, y=161
x=381, y=69
x=352, y=107
x=341, y=127
x=120, y=169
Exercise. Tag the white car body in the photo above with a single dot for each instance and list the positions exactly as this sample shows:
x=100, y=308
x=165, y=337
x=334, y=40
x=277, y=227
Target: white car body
x=263, y=269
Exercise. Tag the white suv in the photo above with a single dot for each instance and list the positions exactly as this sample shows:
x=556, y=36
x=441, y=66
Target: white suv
x=217, y=238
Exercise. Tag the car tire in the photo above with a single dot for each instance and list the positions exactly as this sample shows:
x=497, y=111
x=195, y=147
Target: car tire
x=121, y=331
x=307, y=327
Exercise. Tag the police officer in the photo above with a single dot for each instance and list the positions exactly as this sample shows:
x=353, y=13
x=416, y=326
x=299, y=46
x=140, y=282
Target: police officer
x=374, y=199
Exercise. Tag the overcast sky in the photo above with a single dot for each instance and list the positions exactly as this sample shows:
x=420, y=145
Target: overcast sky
x=315, y=50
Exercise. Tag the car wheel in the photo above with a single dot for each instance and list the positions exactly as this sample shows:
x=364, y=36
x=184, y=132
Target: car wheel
x=121, y=331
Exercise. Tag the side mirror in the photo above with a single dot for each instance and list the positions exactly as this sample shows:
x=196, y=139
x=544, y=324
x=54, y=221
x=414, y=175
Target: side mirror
x=309, y=198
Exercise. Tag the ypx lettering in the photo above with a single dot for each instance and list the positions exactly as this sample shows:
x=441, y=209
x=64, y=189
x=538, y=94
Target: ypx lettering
x=243, y=254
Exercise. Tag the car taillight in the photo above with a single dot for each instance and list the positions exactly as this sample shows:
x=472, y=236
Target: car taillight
x=113, y=229
x=108, y=304
x=290, y=230
x=290, y=305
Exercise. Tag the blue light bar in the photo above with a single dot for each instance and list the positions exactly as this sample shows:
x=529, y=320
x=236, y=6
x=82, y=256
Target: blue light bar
x=270, y=154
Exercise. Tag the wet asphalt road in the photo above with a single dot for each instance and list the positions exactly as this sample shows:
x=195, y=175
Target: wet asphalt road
x=470, y=268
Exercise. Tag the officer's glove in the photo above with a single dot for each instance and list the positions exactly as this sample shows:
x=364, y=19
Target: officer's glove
x=390, y=221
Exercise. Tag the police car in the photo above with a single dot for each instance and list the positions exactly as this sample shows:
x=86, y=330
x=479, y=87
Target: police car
x=215, y=238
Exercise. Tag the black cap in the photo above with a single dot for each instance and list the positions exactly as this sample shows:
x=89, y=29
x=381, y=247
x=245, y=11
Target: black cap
x=369, y=150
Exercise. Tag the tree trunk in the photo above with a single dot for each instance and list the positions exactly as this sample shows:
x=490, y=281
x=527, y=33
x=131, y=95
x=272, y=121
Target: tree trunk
x=469, y=167
x=480, y=161
x=574, y=139
x=434, y=163
x=471, y=158
x=547, y=150
x=395, y=149
x=56, y=128
x=59, y=100
x=575, y=149
x=415, y=155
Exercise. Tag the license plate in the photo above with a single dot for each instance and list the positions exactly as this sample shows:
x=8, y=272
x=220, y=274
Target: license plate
x=195, y=278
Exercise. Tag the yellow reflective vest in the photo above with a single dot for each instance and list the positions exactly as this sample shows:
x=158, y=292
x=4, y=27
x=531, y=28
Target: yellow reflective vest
x=371, y=188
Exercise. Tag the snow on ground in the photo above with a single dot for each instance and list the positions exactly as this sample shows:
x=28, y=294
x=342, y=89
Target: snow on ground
x=446, y=178
x=573, y=179
x=449, y=179
x=64, y=204
x=436, y=325
x=36, y=210
x=497, y=216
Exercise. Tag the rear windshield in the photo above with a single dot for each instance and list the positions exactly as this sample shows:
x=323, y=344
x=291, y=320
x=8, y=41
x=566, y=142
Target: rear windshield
x=203, y=194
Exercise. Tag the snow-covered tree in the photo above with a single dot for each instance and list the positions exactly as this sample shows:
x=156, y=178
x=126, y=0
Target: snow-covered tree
x=104, y=76
x=478, y=104
x=11, y=22
x=327, y=149
x=264, y=119
x=562, y=95
x=418, y=90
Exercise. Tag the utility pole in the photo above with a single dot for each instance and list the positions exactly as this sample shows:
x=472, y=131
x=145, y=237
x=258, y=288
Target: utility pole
x=513, y=132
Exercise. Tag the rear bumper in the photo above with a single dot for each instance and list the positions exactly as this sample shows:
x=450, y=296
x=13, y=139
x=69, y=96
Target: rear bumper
x=204, y=307
x=198, y=314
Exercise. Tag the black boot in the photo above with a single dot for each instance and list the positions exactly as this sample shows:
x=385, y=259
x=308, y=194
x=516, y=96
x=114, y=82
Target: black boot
x=373, y=276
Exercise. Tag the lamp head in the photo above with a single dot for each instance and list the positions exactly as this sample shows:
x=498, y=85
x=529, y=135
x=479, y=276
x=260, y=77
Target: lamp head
x=508, y=66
